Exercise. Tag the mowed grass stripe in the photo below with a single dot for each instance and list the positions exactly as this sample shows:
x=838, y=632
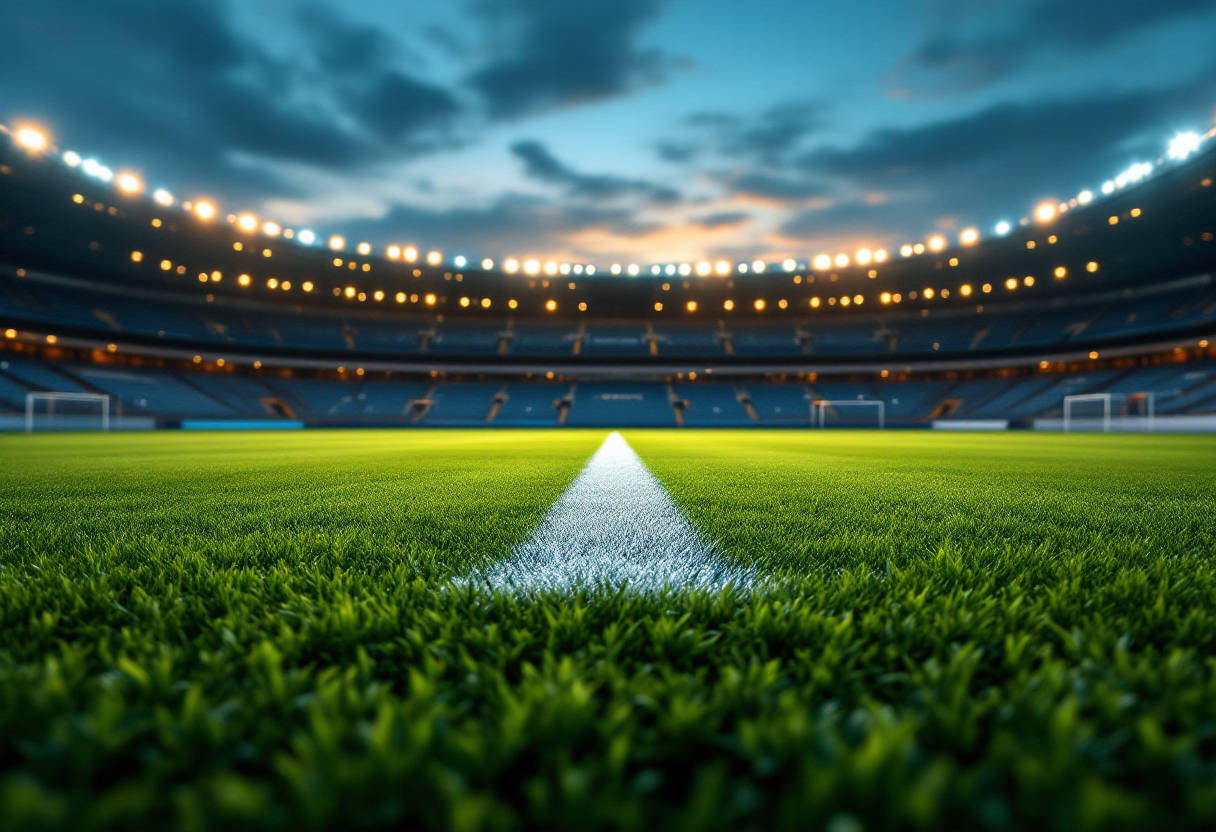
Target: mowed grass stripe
x=436, y=502
x=804, y=501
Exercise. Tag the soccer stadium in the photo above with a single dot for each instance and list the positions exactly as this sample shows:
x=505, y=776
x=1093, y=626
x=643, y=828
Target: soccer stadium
x=314, y=525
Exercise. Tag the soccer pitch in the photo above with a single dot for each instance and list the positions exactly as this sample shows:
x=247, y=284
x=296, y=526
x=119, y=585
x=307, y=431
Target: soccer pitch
x=224, y=631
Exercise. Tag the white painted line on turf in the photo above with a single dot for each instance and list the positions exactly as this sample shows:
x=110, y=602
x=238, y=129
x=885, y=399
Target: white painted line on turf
x=615, y=525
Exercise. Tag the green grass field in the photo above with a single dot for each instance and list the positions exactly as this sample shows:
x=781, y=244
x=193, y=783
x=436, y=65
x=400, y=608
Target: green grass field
x=227, y=631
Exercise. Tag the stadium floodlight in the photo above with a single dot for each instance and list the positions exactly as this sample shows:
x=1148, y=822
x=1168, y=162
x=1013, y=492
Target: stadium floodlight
x=97, y=170
x=247, y=222
x=880, y=256
x=1045, y=212
x=487, y=264
x=307, y=237
x=591, y=270
x=31, y=139
x=722, y=267
x=1108, y=187
x=936, y=243
x=633, y=269
x=204, y=210
x=969, y=236
x=337, y=243
x=67, y=411
x=71, y=158
x=864, y=257
x=129, y=184
x=1085, y=197
x=820, y=409
x=460, y=261
x=822, y=262
x=905, y=250
x=1131, y=412
x=789, y=264
x=1002, y=228
x=162, y=197
x=685, y=269
x=1184, y=144
x=758, y=266
x=532, y=267
x=364, y=249
x=271, y=229
x=510, y=265
x=615, y=268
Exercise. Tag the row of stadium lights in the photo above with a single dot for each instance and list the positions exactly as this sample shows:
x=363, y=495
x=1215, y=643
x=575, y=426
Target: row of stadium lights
x=1180, y=148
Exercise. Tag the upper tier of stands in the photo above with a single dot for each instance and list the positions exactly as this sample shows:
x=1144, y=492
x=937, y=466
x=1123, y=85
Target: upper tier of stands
x=241, y=326
x=1134, y=266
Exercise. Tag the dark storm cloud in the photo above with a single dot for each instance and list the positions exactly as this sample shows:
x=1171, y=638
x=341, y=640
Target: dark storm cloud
x=783, y=187
x=357, y=60
x=557, y=53
x=998, y=161
x=767, y=138
x=512, y=223
x=951, y=63
x=158, y=83
x=543, y=166
x=722, y=219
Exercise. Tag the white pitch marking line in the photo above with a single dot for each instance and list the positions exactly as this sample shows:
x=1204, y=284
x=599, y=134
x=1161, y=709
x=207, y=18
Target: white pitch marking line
x=615, y=525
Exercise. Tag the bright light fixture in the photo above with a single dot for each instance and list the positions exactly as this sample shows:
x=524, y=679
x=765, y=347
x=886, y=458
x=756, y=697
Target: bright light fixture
x=337, y=243
x=31, y=139
x=1184, y=144
x=129, y=184
x=306, y=237
x=71, y=158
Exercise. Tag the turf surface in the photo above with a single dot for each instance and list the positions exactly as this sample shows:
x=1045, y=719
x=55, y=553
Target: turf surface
x=250, y=631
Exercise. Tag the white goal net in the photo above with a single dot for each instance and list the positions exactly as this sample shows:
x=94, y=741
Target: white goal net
x=1111, y=412
x=66, y=411
x=848, y=413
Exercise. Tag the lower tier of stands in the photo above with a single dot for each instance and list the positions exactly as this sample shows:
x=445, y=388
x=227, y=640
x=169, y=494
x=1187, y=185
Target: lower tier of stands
x=170, y=396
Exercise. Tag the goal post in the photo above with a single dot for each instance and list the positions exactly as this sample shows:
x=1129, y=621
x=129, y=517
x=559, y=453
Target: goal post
x=820, y=408
x=1111, y=412
x=67, y=411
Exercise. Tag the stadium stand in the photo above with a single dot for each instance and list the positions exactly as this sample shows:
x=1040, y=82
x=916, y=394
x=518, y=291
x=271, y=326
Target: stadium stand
x=182, y=319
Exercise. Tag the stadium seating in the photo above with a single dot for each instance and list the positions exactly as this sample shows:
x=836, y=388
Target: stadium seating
x=182, y=320
x=621, y=405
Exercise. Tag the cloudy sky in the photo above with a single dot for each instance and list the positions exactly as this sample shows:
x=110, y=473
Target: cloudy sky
x=596, y=130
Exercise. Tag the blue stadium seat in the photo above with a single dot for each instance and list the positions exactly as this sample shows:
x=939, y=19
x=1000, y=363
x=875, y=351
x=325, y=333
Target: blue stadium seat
x=531, y=404
x=712, y=405
x=621, y=405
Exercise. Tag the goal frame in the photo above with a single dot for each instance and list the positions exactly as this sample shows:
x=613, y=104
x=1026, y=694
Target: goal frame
x=819, y=409
x=1108, y=399
x=52, y=397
